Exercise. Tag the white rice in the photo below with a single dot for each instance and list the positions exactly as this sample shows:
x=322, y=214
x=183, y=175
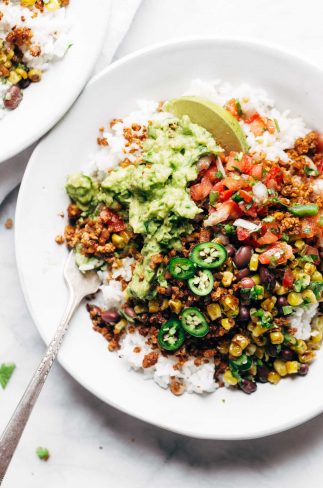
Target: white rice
x=51, y=32
x=301, y=320
x=198, y=379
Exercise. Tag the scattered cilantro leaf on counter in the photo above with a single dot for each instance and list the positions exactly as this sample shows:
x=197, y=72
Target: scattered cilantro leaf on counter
x=6, y=370
x=42, y=453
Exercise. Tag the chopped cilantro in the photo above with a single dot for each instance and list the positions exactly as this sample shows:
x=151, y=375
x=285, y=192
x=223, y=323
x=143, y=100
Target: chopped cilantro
x=6, y=370
x=254, y=293
x=287, y=310
x=270, y=218
x=265, y=318
x=42, y=453
x=236, y=197
x=300, y=285
x=249, y=205
x=218, y=175
x=213, y=197
x=161, y=277
x=317, y=288
x=238, y=104
x=285, y=237
x=311, y=171
x=310, y=258
x=229, y=229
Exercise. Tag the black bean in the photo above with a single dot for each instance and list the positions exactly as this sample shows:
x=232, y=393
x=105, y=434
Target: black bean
x=303, y=370
x=130, y=312
x=23, y=84
x=262, y=373
x=266, y=277
x=12, y=97
x=230, y=250
x=247, y=283
x=244, y=313
x=242, y=257
x=287, y=355
x=243, y=273
x=168, y=291
x=282, y=302
x=248, y=386
x=110, y=316
x=272, y=350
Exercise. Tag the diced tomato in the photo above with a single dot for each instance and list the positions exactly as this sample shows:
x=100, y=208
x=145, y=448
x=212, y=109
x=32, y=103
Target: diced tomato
x=225, y=211
x=256, y=171
x=247, y=197
x=225, y=195
x=252, y=117
x=235, y=184
x=232, y=107
x=309, y=228
x=237, y=163
x=211, y=174
x=257, y=126
x=288, y=278
x=319, y=163
x=250, y=211
x=279, y=253
x=242, y=234
x=267, y=238
x=275, y=174
x=312, y=251
x=199, y=191
x=219, y=186
x=112, y=219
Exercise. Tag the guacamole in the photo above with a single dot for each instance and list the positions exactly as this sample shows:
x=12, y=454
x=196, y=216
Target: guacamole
x=155, y=191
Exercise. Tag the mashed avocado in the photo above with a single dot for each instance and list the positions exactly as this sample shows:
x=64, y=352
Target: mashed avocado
x=82, y=190
x=155, y=191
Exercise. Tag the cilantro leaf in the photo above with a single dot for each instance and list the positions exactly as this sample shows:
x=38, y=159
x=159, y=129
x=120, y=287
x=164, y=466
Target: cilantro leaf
x=42, y=453
x=6, y=370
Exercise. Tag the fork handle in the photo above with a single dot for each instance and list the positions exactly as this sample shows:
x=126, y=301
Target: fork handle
x=12, y=433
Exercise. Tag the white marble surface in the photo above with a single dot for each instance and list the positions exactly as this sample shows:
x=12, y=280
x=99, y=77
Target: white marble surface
x=93, y=444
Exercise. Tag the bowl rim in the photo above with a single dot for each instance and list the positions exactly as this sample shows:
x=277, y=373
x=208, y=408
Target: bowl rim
x=142, y=52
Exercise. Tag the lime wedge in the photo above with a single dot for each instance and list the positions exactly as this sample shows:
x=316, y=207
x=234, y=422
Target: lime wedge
x=219, y=122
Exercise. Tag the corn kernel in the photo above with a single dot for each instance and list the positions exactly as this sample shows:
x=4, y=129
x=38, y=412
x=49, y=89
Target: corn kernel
x=118, y=241
x=300, y=347
x=273, y=377
x=299, y=244
x=153, y=306
x=175, y=305
x=260, y=341
x=35, y=75
x=256, y=279
x=276, y=337
x=253, y=370
x=223, y=347
x=230, y=304
x=14, y=78
x=214, y=311
x=254, y=262
x=21, y=72
x=120, y=326
x=251, y=349
x=306, y=357
x=140, y=309
x=27, y=3
x=235, y=350
x=309, y=296
x=258, y=331
x=281, y=290
x=317, y=276
x=241, y=340
x=53, y=5
x=269, y=304
x=227, y=278
x=294, y=299
x=229, y=378
x=164, y=304
x=309, y=268
x=292, y=367
x=280, y=367
x=227, y=324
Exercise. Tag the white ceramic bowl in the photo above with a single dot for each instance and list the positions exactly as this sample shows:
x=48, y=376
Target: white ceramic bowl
x=159, y=73
x=44, y=103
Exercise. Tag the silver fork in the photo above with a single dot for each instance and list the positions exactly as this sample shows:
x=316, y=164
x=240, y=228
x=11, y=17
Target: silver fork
x=79, y=286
